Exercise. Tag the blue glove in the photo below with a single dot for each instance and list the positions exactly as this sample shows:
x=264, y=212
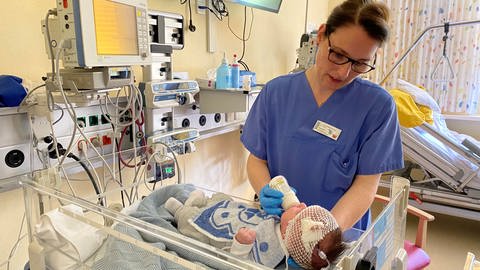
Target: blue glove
x=271, y=200
x=291, y=262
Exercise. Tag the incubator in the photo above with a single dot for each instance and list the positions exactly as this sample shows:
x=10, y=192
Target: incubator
x=70, y=226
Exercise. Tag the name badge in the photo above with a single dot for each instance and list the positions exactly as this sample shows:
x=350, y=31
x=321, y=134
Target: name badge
x=327, y=130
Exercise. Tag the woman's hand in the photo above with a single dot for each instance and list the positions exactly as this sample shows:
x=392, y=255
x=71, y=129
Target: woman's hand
x=271, y=200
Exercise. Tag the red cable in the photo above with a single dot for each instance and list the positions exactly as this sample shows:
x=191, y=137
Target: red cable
x=142, y=143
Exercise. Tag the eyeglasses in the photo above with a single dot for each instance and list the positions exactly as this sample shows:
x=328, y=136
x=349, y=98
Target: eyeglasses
x=341, y=59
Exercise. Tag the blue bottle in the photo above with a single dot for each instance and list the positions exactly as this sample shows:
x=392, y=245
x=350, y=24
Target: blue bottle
x=223, y=75
x=235, y=76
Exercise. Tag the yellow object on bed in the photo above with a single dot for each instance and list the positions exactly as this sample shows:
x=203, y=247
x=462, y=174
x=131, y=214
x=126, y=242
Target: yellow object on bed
x=410, y=114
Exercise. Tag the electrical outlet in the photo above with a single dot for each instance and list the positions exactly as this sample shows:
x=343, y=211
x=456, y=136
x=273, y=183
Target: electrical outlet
x=201, y=3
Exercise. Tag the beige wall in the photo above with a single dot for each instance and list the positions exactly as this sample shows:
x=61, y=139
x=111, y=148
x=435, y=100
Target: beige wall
x=333, y=3
x=270, y=51
x=219, y=161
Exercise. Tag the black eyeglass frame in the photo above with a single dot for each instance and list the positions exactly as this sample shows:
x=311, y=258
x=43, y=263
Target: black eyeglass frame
x=350, y=60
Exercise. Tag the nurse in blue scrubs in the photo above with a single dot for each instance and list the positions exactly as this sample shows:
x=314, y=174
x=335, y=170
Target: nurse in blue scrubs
x=329, y=132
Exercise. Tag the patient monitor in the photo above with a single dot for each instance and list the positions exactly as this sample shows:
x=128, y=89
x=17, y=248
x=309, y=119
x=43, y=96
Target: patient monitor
x=98, y=33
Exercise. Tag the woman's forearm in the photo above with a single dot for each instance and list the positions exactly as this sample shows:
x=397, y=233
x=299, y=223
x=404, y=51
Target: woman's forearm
x=356, y=201
x=258, y=173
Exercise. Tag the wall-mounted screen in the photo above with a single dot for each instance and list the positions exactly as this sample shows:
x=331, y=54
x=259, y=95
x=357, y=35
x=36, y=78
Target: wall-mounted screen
x=268, y=5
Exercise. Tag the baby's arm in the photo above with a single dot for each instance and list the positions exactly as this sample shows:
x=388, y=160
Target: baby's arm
x=243, y=242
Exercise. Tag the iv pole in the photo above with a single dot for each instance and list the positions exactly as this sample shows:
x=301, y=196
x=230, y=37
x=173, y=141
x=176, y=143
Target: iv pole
x=417, y=40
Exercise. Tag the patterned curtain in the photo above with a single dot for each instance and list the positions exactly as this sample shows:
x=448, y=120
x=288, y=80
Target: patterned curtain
x=426, y=65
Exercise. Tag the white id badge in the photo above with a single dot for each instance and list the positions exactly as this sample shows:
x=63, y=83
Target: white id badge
x=327, y=130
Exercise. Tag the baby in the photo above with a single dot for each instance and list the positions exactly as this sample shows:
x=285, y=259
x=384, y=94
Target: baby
x=309, y=235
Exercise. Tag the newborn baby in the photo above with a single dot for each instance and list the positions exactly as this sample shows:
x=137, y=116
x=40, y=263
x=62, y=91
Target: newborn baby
x=309, y=235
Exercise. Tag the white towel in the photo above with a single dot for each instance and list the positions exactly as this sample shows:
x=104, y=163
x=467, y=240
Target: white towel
x=68, y=236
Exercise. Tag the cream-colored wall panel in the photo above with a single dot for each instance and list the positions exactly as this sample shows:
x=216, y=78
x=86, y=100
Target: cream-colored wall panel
x=333, y=3
x=218, y=164
x=22, y=50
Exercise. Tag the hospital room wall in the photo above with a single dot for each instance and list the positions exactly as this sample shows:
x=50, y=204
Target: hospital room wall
x=219, y=161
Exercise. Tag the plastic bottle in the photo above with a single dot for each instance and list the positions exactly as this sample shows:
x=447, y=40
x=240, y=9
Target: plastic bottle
x=223, y=74
x=289, y=198
x=247, y=82
x=235, y=73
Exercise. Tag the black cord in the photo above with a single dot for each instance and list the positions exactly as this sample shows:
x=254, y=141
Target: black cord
x=249, y=28
x=220, y=18
x=52, y=153
x=191, y=26
x=243, y=40
x=95, y=186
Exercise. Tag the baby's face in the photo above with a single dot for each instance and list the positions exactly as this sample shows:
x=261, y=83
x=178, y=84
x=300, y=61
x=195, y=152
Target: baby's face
x=289, y=214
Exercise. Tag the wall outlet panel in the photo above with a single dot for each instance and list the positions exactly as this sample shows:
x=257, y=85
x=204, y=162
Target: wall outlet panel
x=17, y=156
x=195, y=119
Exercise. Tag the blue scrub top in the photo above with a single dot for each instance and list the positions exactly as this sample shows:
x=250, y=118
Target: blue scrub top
x=279, y=129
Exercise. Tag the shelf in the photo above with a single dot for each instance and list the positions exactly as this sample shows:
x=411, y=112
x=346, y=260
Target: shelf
x=225, y=100
x=229, y=127
x=9, y=111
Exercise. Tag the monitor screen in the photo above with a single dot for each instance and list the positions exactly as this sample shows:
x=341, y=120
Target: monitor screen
x=115, y=28
x=268, y=5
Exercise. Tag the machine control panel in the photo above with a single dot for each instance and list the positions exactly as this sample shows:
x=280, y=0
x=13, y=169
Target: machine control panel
x=170, y=93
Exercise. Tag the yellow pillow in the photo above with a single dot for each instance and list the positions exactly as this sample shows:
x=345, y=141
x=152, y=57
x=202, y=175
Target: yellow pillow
x=427, y=112
x=409, y=113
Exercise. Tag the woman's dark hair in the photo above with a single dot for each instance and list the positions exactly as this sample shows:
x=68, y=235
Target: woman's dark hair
x=371, y=15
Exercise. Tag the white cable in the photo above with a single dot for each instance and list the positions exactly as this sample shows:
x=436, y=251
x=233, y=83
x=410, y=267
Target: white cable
x=306, y=16
x=70, y=110
x=29, y=93
x=15, y=245
x=123, y=111
x=67, y=179
x=134, y=136
x=135, y=96
x=73, y=116
x=47, y=30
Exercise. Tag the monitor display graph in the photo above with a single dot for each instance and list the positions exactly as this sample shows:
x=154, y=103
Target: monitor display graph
x=115, y=28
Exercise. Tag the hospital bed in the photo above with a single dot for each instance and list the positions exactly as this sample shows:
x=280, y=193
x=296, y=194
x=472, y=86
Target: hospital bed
x=450, y=165
x=452, y=179
x=444, y=169
x=101, y=234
